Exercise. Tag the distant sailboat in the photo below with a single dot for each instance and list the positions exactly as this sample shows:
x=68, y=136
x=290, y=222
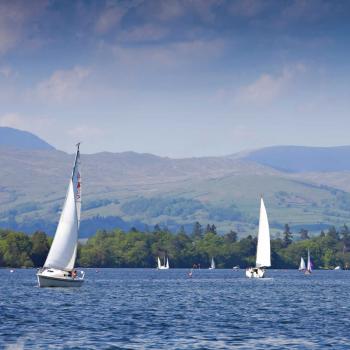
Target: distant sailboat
x=212, y=264
x=302, y=266
x=58, y=270
x=163, y=267
x=309, y=264
x=263, y=253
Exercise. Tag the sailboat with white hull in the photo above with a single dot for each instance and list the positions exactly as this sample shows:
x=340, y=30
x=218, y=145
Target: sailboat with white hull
x=58, y=270
x=165, y=266
x=263, y=253
x=212, y=264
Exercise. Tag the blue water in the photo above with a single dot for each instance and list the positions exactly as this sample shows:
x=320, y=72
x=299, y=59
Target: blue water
x=149, y=309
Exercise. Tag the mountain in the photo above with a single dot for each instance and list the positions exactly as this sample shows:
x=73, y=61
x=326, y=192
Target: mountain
x=131, y=189
x=18, y=139
x=303, y=159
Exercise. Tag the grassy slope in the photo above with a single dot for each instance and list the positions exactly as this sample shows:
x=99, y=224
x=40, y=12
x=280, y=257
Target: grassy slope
x=32, y=187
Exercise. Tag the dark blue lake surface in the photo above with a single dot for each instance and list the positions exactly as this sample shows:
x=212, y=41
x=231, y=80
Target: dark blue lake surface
x=149, y=309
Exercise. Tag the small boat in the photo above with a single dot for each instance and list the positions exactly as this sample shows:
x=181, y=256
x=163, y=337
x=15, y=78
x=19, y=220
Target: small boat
x=338, y=268
x=190, y=273
x=263, y=252
x=309, y=266
x=235, y=268
x=165, y=266
x=58, y=270
x=212, y=264
x=302, y=266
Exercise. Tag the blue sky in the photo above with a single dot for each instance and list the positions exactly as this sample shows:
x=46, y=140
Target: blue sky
x=176, y=78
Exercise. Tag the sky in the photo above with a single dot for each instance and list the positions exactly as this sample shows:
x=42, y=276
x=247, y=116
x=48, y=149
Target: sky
x=176, y=78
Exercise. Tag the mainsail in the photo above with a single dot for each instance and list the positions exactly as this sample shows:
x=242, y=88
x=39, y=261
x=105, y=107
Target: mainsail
x=309, y=263
x=212, y=266
x=63, y=251
x=159, y=263
x=263, y=254
x=302, y=264
x=167, y=263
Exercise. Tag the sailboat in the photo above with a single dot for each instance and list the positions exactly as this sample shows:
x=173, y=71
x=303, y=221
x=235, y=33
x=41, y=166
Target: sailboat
x=165, y=266
x=212, y=264
x=58, y=270
x=309, y=264
x=302, y=266
x=263, y=252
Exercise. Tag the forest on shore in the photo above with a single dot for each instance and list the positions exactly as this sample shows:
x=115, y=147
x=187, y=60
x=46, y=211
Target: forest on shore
x=117, y=248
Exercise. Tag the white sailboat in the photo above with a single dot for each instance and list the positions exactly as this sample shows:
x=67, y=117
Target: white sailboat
x=263, y=253
x=212, y=264
x=58, y=270
x=302, y=266
x=163, y=267
x=309, y=264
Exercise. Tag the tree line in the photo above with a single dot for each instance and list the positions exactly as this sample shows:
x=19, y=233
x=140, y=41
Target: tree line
x=117, y=248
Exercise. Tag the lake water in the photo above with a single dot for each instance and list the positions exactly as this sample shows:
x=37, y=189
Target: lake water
x=149, y=309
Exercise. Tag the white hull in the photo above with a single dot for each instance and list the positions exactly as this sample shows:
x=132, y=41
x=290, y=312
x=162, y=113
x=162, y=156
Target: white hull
x=45, y=281
x=58, y=278
x=162, y=268
x=255, y=272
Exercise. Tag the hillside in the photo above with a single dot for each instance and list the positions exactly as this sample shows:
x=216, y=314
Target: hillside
x=19, y=139
x=130, y=189
x=303, y=159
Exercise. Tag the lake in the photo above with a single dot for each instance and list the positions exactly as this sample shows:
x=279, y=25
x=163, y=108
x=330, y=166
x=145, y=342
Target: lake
x=150, y=309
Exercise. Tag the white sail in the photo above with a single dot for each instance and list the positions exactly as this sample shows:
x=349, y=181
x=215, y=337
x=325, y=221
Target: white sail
x=159, y=263
x=309, y=265
x=263, y=254
x=212, y=263
x=63, y=250
x=167, y=263
x=302, y=264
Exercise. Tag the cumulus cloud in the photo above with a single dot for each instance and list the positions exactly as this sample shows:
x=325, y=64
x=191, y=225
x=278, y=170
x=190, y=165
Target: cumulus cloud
x=62, y=85
x=268, y=87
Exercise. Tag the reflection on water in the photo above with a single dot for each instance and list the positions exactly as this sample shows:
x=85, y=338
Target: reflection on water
x=149, y=309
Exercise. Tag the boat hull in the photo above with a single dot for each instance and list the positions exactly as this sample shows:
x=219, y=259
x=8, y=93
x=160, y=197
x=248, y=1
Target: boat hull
x=255, y=273
x=46, y=281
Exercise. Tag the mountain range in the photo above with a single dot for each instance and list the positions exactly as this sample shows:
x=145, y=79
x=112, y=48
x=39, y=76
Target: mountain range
x=307, y=187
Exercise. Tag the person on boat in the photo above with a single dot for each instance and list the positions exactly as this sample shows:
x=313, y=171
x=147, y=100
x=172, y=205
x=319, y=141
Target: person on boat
x=74, y=273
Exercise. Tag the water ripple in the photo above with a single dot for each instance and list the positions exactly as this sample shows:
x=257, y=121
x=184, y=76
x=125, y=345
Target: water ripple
x=149, y=309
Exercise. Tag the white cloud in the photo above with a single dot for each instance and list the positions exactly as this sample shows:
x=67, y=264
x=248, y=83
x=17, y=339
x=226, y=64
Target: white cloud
x=144, y=33
x=268, y=87
x=14, y=19
x=109, y=18
x=169, y=55
x=37, y=125
x=63, y=85
x=7, y=71
x=85, y=132
x=247, y=8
